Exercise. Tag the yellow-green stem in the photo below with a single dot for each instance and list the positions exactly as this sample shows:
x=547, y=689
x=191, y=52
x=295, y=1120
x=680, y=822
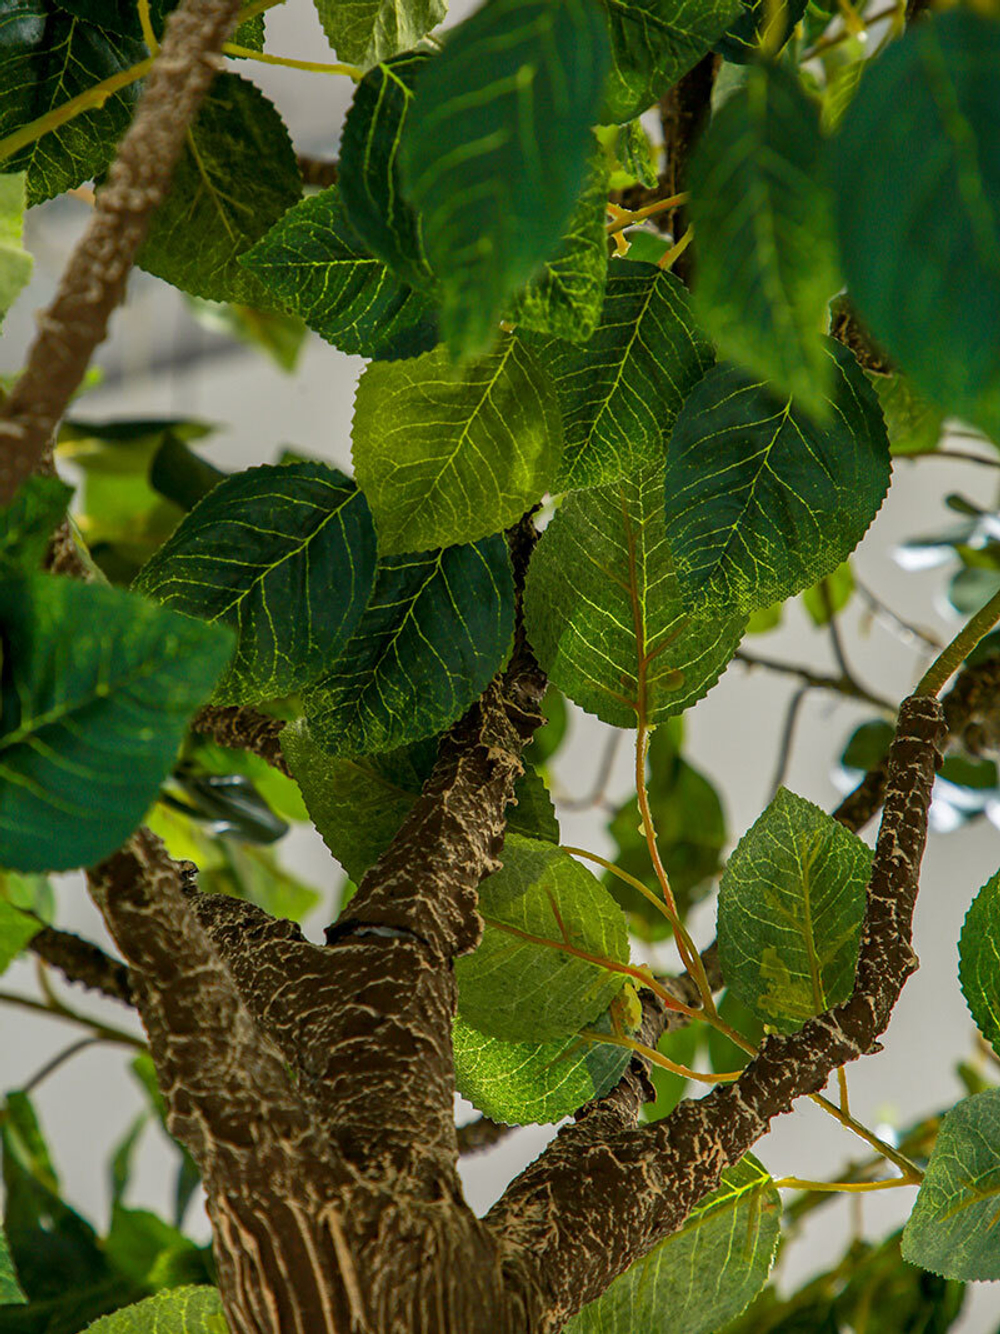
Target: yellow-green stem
x=797, y=1183
x=313, y=66
x=951, y=657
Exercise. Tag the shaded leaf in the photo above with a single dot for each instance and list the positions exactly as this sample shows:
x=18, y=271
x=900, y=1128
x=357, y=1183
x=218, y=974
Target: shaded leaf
x=501, y=121
x=953, y=1228
x=621, y=391
x=523, y=991
x=10, y=1290
x=284, y=556
x=637, y=155
x=761, y=501
x=194, y=1310
x=978, y=951
x=313, y=263
x=868, y=745
x=763, y=213
x=437, y=628
x=220, y=195
x=28, y=522
x=937, y=83
x=760, y=25
x=914, y=426
x=365, y=31
x=15, y=262
x=449, y=453
x=791, y=901
x=704, y=1274
x=97, y=690
x=604, y=610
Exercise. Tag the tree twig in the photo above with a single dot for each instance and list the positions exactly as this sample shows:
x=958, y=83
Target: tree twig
x=82, y=961
x=244, y=729
x=841, y=685
x=475, y=1136
x=788, y=737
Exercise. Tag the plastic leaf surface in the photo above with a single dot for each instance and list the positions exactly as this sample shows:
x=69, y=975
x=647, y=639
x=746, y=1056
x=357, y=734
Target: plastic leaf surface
x=366, y=31
x=27, y=523
x=979, y=960
x=195, y=1310
x=791, y=901
x=15, y=262
x=449, y=453
x=605, y=614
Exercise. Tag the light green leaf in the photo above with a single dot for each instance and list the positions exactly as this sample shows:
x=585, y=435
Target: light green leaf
x=564, y=297
x=914, y=426
x=97, y=689
x=16, y=929
x=655, y=42
x=366, y=31
x=369, y=179
x=791, y=901
x=621, y=391
x=196, y=1310
x=953, y=1228
x=605, y=614
x=255, y=874
x=450, y=453
x=436, y=630
x=220, y=201
x=761, y=501
x=830, y=595
x=978, y=956
x=501, y=122
x=520, y=1083
x=285, y=556
x=313, y=263
x=47, y=58
x=637, y=155
x=10, y=1289
x=938, y=83
x=28, y=522
x=524, y=991
x=15, y=262
x=763, y=215
x=702, y=1276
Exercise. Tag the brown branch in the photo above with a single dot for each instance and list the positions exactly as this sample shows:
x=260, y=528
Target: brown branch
x=317, y=171
x=475, y=1136
x=82, y=961
x=94, y=279
x=684, y=113
x=244, y=729
x=840, y=685
x=603, y=1192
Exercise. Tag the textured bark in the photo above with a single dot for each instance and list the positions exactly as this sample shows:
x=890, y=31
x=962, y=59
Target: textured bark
x=244, y=729
x=93, y=282
x=81, y=961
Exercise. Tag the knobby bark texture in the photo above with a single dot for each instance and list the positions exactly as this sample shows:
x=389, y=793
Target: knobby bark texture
x=93, y=282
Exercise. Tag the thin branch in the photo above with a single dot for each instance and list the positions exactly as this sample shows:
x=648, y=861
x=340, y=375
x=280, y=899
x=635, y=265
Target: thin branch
x=475, y=1136
x=841, y=685
x=82, y=961
x=60, y=1058
x=318, y=172
x=885, y=612
x=788, y=737
x=56, y=1010
x=601, y=779
x=244, y=729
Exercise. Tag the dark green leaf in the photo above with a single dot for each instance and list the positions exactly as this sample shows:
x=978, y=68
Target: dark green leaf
x=10, y=1290
x=790, y=907
x=937, y=87
x=637, y=155
x=365, y=31
x=952, y=1230
x=682, y=1048
x=723, y=1053
x=621, y=391
x=122, y=17
x=284, y=556
x=369, y=178
x=978, y=950
x=761, y=501
x=552, y=733
x=763, y=215
x=15, y=262
x=655, y=42
x=140, y=1245
x=971, y=588
x=645, y=246
x=868, y=745
x=97, y=690
x=524, y=991
x=194, y=1310
x=315, y=266
x=27, y=523
x=448, y=453
x=518, y=1083
x=564, y=297
x=604, y=609
x=901, y=1298
x=702, y=1275
x=501, y=122
x=48, y=57
x=437, y=628
x=220, y=201
x=761, y=25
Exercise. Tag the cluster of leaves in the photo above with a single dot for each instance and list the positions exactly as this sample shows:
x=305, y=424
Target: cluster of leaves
x=714, y=453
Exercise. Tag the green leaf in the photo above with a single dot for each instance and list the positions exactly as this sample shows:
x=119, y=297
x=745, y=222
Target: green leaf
x=523, y=991
x=682, y=1048
x=914, y=426
x=723, y=1053
x=28, y=522
x=97, y=690
x=122, y=17
x=604, y=611
x=839, y=586
x=761, y=501
x=220, y=201
x=655, y=42
x=436, y=630
x=939, y=84
x=142, y=1246
x=369, y=177
x=279, y=336
x=366, y=31
x=868, y=745
x=703, y=1275
x=256, y=875
x=621, y=391
x=48, y=57
x=953, y=1228
x=761, y=24
x=501, y=123
x=33, y=893
x=523, y=1083
x=313, y=263
x=564, y=297
x=449, y=453
x=16, y=929
x=194, y=1310
x=978, y=949
x=791, y=901
x=15, y=262
x=284, y=556
x=10, y=1289
x=763, y=214
x=637, y=155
